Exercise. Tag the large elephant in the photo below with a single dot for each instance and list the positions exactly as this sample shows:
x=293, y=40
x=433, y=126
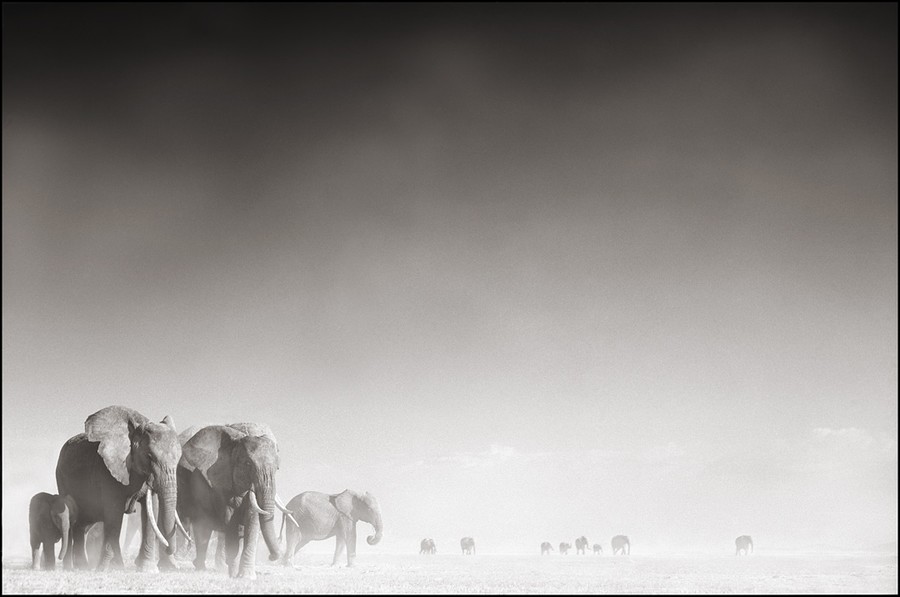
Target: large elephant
x=564, y=548
x=598, y=549
x=742, y=543
x=581, y=544
x=226, y=482
x=621, y=543
x=50, y=519
x=427, y=547
x=468, y=545
x=546, y=548
x=122, y=457
x=319, y=516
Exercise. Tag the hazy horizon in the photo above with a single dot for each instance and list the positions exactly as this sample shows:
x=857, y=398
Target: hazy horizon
x=523, y=272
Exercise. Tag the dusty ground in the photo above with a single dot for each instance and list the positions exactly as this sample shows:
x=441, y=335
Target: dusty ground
x=384, y=573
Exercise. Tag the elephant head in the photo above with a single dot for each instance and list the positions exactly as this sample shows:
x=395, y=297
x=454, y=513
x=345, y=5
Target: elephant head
x=134, y=448
x=360, y=506
x=235, y=463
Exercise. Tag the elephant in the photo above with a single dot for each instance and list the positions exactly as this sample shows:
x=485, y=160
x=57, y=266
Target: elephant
x=546, y=548
x=427, y=547
x=564, y=548
x=50, y=519
x=222, y=470
x=581, y=544
x=122, y=458
x=621, y=543
x=598, y=548
x=742, y=543
x=468, y=545
x=318, y=516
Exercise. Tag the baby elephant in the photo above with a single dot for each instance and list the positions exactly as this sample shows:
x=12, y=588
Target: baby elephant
x=50, y=518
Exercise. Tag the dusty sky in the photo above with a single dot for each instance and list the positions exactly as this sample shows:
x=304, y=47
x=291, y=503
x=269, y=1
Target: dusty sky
x=523, y=272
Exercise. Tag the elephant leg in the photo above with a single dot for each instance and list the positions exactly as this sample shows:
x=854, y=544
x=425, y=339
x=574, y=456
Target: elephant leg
x=49, y=562
x=294, y=541
x=232, y=545
x=221, y=561
x=202, y=531
x=291, y=538
x=351, y=544
x=79, y=557
x=111, y=553
x=35, y=553
x=338, y=548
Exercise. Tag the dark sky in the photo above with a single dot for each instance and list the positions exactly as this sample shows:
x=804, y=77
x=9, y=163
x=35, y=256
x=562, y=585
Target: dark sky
x=533, y=248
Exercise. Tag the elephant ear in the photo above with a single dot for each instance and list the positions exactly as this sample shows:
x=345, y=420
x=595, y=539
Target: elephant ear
x=113, y=427
x=343, y=502
x=209, y=451
x=168, y=422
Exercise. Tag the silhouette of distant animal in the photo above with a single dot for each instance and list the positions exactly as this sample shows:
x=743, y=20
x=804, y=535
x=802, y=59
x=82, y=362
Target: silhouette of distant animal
x=581, y=544
x=621, y=543
x=598, y=548
x=742, y=543
x=468, y=545
x=546, y=547
x=427, y=547
x=564, y=548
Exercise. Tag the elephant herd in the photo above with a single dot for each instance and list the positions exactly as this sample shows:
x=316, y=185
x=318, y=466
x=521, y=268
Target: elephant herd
x=428, y=547
x=216, y=478
x=620, y=544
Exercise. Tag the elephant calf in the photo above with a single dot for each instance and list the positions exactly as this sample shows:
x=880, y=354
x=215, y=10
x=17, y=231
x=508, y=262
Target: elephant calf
x=50, y=518
x=564, y=548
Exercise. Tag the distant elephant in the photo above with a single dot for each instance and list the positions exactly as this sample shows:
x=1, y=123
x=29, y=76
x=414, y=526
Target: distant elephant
x=564, y=548
x=427, y=547
x=50, y=519
x=122, y=457
x=621, y=543
x=468, y=546
x=742, y=543
x=223, y=468
x=319, y=516
x=581, y=544
x=546, y=548
x=598, y=548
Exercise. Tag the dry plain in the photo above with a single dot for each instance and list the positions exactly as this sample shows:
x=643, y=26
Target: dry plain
x=490, y=573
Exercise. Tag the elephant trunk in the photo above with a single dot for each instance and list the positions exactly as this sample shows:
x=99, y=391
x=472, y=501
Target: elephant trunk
x=168, y=497
x=379, y=529
x=266, y=501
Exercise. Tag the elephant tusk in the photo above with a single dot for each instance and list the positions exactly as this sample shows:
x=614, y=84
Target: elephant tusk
x=284, y=509
x=148, y=504
x=181, y=528
x=254, y=505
